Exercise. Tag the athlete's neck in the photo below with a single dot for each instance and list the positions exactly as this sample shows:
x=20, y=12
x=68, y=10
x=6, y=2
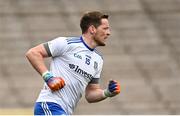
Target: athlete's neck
x=89, y=41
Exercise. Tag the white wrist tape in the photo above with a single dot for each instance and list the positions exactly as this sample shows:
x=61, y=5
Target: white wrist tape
x=43, y=74
x=105, y=93
x=47, y=75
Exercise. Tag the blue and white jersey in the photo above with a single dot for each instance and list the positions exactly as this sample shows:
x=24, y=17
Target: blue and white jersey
x=77, y=64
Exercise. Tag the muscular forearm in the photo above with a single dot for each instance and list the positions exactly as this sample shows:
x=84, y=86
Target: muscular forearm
x=94, y=93
x=95, y=96
x=36, y=60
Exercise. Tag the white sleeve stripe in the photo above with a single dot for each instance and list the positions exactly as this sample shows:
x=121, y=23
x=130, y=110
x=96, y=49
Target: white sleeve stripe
x=72, y=39
x=74, y=42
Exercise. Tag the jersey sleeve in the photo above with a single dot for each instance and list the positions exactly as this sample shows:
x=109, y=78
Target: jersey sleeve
x=57, y=47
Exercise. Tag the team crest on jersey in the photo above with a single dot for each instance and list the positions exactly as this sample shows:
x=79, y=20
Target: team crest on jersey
x=95, y=65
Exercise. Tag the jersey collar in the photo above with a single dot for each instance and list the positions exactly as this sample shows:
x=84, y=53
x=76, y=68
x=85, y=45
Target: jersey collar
x=86, y=44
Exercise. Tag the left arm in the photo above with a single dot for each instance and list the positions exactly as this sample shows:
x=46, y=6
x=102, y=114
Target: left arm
x=94, y=93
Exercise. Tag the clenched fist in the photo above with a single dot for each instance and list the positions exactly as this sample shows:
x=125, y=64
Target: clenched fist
x=113, y=89
x=54, y=83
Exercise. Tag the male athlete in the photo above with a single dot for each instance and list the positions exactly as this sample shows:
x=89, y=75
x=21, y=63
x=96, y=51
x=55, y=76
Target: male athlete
x=75, y=68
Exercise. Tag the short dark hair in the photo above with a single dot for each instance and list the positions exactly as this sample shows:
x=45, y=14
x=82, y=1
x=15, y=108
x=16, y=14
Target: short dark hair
x=91, y=18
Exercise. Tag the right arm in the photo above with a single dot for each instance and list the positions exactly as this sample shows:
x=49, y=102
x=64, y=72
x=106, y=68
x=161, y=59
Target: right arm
x=36, y=57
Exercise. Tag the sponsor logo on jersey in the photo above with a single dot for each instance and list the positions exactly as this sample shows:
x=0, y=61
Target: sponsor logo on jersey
x=78, y=70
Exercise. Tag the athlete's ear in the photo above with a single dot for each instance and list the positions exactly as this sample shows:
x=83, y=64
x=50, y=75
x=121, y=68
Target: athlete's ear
x=92, y=29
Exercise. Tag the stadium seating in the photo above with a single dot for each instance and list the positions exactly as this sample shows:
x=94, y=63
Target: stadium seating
x=143, y=52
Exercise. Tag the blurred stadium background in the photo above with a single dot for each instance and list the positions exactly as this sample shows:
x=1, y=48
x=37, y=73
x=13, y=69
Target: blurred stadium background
x=143, y=52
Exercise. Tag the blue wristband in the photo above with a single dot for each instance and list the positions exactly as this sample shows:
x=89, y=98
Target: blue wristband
x=47, y=75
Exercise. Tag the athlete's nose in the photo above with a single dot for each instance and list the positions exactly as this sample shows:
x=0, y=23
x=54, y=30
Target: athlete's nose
x=108, y=32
